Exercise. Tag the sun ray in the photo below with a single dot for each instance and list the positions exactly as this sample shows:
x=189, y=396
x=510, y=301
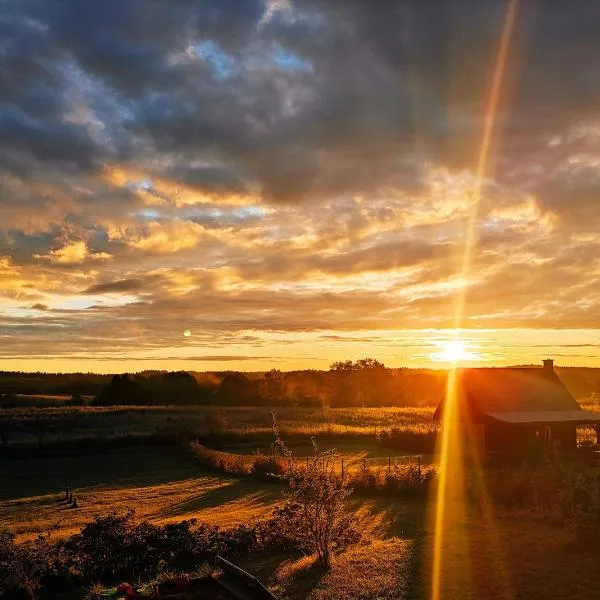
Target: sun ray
x=450, y=483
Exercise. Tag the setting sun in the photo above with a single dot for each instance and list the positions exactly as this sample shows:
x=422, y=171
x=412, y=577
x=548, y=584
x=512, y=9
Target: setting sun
x=453, y=351
x=259, y=256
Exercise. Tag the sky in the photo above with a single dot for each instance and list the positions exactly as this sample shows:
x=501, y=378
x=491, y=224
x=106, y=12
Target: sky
x=248, y=184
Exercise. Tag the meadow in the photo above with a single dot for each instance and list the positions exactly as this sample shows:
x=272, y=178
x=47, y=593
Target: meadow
x=158, y=483
x=538, y=555
x=243, y=429
x=515, y=540
x=90, y=450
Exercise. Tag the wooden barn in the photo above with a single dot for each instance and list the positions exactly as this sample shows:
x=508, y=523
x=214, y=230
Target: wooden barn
x=504, y=410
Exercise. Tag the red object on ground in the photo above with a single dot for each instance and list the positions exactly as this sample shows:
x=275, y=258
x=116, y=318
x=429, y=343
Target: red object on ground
x=123, y=588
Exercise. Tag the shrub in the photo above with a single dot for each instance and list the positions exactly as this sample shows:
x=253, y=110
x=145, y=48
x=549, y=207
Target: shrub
x=315, y=515
x=581, y=504
x=365, y=478
x=409, y=480
x=562, y=488
x=518, y=488
x=226, y=462
x=22, y=566
x=12, y=564
x=268, y=468
x=116, y=547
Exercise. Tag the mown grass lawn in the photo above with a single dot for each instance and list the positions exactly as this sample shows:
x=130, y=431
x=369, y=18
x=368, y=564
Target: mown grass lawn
x=159, y=484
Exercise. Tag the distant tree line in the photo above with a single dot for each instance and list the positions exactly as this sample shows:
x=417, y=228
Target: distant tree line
x=362, y=383
x=155, y=388
x=63, y=384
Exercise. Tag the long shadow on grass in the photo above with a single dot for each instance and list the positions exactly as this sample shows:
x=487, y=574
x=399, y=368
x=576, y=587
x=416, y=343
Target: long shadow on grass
x=40, y=476
x=253, y=494
x=393, y=517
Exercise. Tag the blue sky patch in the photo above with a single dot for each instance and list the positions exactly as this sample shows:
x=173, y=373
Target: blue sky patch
x=221, y=63
x=290, y=61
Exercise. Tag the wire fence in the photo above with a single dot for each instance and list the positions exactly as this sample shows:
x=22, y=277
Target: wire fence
x=347, y=465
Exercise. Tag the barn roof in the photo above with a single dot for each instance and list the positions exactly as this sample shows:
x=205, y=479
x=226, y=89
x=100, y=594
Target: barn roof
x=579, y=417
x=518, y=395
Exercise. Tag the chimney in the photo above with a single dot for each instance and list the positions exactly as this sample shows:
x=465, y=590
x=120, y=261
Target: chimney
x=549, y=365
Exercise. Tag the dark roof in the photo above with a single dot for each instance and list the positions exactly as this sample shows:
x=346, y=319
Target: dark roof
x=576, y=417
x=515, y=395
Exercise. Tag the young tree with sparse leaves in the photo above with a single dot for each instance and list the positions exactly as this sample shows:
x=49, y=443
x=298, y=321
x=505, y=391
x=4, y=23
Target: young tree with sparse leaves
x=315, y=514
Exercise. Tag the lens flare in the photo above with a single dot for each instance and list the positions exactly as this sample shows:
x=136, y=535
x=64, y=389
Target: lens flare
x=450, y=537
x=187, y=333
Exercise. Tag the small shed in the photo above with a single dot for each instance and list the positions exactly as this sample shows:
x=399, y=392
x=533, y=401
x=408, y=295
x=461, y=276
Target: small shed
x=505, y=409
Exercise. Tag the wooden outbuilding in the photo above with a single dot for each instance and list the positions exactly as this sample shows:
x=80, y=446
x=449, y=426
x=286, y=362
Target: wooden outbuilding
x=507, y=410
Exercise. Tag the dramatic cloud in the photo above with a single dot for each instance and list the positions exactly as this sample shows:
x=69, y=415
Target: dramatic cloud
x=249, y=168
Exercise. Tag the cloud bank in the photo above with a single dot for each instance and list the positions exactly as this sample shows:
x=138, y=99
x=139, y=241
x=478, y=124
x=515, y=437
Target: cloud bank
x=282, y=166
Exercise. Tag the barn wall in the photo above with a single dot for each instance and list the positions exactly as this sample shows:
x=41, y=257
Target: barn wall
x=564, y=437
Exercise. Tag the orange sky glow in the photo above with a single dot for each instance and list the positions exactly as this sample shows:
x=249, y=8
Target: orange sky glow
x=268, y=193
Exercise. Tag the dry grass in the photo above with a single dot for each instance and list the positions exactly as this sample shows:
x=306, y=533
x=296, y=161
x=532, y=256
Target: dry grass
x=159, y=484
x=67, y=423
x=379, y=570
x=509, y=558
x=538, y=557
x=517, y=556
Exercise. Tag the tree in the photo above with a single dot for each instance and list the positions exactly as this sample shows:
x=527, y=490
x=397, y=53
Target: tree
x=271, y=387
x=237, y=390
x=360, y=383
x=315, y=514
x=123, y=390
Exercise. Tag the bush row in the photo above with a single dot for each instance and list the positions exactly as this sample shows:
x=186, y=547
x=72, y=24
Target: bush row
x=116, y=547
x=264, y=468
x=398, y=480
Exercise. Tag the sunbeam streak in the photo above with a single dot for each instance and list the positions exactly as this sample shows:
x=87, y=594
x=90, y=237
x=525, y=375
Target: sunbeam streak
x=451, y=493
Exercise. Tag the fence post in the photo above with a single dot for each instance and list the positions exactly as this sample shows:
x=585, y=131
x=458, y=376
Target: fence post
x=389, y=464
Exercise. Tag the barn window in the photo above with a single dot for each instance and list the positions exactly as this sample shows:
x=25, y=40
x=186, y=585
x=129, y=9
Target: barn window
x=586, y=435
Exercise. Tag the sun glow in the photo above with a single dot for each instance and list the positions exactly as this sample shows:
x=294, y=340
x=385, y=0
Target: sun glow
x=453, y=351
x=454, y=444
